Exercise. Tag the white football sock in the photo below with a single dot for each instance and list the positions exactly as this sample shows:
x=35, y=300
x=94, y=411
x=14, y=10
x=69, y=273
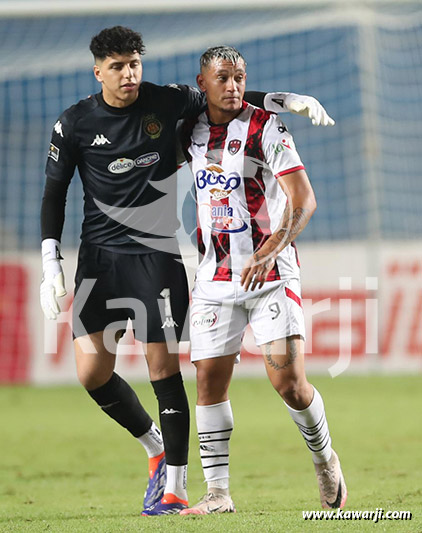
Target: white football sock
x=176, y=481
x=152, y=441
x=215, y=426
x=312, y=423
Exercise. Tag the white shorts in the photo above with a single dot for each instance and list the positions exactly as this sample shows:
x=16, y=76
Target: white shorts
x=221, y=310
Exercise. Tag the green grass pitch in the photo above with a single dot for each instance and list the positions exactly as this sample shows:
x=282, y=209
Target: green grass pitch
x=66, y=467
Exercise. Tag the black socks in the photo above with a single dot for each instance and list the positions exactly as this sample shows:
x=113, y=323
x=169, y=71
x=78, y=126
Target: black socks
x=174, y=418
x=119, y=401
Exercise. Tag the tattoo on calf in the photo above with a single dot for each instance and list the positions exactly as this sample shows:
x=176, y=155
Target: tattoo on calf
x=291, y=353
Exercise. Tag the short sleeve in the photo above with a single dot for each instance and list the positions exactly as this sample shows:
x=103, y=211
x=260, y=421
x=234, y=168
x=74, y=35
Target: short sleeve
x=279, y=148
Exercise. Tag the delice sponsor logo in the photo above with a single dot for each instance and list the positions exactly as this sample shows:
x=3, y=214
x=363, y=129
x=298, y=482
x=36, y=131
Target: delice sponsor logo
x=124, y=164
x=147, y=160
x=203, y=321
x=121, y=165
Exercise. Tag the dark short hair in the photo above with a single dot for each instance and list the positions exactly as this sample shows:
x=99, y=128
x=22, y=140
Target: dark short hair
x=228, y=53
x=117, y=40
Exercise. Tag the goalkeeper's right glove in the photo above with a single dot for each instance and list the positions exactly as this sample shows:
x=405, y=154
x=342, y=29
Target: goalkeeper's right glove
x=52, y=285
x=309, y=107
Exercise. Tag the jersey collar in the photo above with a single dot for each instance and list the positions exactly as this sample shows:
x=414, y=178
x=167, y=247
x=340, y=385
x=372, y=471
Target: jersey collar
x=117, y=110
x=225, y=124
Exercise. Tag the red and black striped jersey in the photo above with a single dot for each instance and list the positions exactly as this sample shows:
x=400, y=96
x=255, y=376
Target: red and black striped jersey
x=239, y=200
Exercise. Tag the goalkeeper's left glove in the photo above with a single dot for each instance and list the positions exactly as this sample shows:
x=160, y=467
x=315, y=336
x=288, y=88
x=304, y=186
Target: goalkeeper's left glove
x=52, y=285
x=303, y=105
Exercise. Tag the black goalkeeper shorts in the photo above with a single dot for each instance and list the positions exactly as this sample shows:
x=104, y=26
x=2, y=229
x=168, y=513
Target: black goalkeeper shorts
x=150, y=289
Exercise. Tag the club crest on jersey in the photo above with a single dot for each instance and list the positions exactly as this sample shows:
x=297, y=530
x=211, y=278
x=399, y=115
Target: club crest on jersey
x=152, y=126
x=234, y=146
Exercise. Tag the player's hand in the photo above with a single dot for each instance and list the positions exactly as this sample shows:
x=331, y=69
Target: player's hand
x=307, y=106
x=52, y=285
x=256, y=270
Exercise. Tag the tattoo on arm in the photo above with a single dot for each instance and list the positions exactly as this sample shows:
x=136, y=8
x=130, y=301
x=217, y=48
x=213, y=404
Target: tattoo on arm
x=293, y=224
x=291, y=353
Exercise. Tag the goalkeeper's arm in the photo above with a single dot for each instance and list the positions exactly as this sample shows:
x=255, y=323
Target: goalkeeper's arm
x=279, y=102
x=52, y=220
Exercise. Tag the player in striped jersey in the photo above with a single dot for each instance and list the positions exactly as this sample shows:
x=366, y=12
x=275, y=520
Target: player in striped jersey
x=253, y=198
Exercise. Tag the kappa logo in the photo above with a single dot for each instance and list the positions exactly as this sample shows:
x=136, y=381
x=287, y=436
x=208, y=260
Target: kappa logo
x=174, y=86
x=234, y=146
x=100, y=140
x=58, y=128
x=169, y=323
x=170, y=411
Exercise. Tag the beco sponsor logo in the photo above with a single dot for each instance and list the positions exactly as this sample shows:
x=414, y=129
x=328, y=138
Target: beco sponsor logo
x=214, y=176
x=121, y=165
x=203, y=321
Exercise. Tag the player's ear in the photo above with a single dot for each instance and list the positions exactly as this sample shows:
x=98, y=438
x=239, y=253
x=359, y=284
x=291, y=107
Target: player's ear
x=97, y=73
x=200, y=82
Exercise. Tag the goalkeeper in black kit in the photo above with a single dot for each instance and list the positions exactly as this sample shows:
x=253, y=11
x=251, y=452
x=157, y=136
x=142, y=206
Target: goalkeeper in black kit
x=123, y=142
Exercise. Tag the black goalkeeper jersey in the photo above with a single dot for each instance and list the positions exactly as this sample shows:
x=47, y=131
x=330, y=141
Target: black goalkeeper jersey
x=126, y=158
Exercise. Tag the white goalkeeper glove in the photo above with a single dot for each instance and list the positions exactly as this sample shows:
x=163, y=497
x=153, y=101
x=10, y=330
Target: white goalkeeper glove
x=303, y=105
x=52, y=285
